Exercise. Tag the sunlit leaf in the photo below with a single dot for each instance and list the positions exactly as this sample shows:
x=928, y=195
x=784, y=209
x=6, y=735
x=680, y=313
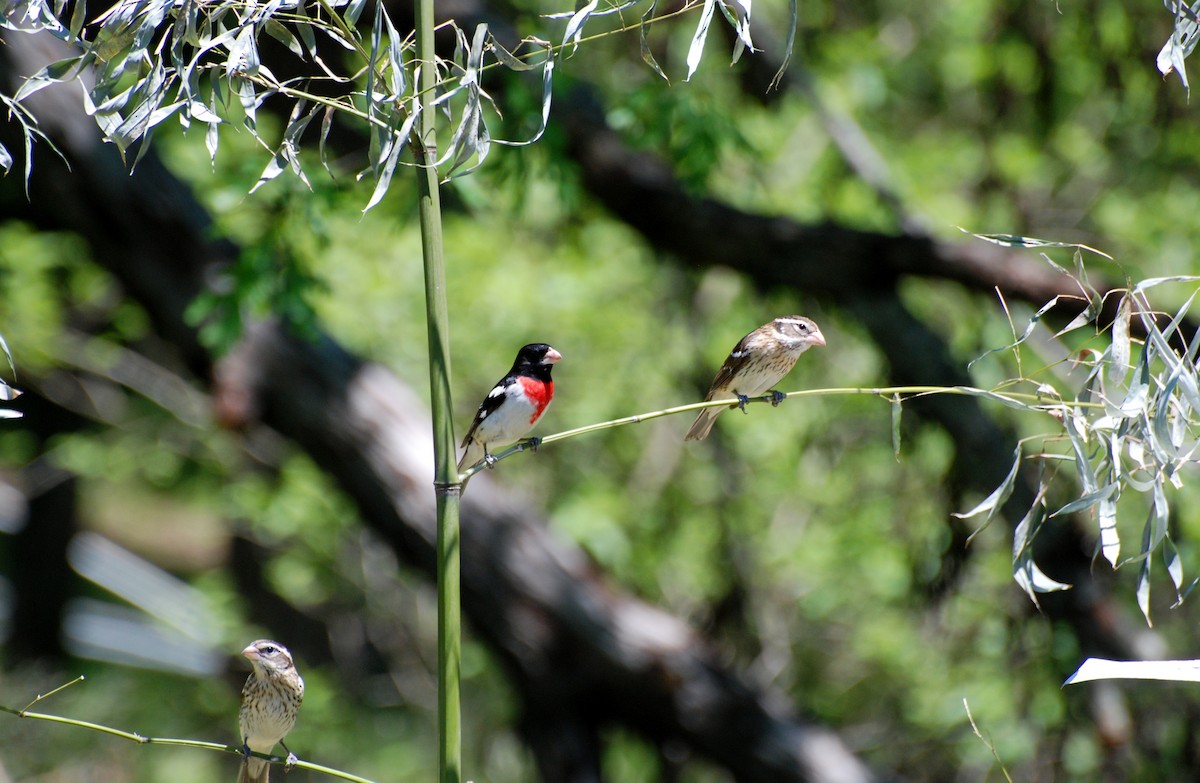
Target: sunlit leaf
x=999, y=495
x=1118, y=365
x=737, y=12
x=1104, y=669
x=1025, y=571
x=574, y=29
x=696, y=50
x=1143, y=588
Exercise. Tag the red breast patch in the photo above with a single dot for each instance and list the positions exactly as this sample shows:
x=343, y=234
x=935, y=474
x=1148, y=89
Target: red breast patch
x=539, y=393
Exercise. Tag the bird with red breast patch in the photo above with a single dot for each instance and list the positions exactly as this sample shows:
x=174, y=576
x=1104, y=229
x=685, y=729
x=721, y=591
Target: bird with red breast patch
x=513, y=405
x=758, y=362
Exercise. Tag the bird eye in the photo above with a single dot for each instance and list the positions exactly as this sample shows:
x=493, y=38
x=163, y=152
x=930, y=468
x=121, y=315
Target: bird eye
x=268, y=649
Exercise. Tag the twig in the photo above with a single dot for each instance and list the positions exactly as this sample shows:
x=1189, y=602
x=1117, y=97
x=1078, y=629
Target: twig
x=1027, y=400
x=142, y=739
x=986, y=741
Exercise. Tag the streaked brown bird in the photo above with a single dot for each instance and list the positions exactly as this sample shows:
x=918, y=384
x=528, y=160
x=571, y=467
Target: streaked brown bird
x=270, y=700
x=758, y=362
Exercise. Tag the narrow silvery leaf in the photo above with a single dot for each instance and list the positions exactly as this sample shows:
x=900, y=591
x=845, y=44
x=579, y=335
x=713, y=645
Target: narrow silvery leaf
x=212, y=140
x=1110, y=542
x=284, y=36
x=353, y=10
x=1029, y=327
x=51, y=74
x=8, y=355
x=1026, y=572
x=198, y=111
x=574, y=29
x=372, y=59
x=737, y=12
x=1084, y=318
x=1104, y=669
x=1181, y=43
x=249, y=100
x=1174, y=566
x=78, y=18
x=1136, y=397
x=1118, y=365
x=1087, y=500
x=326, y=125
x=304, y=30
x=793, y=23
x=276, y=166
x=1160, y=514
x=1033, y=580
x=1151, y=282
x=1015, y=240
x=396, y=56
x=696, y=50
x=547, y=65
x=6, y=159
x=510, y=60
x=644, y=43
x=5, y=413
x=1143, y=588
x=999, y=495
x=389, y=167
x=1083, y=465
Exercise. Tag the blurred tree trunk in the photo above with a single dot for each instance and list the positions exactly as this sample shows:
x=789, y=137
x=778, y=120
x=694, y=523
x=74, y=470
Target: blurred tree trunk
x=582, y=653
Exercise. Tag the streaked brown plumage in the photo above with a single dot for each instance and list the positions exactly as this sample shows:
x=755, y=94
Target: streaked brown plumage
x=270, y=700
x=758, y=362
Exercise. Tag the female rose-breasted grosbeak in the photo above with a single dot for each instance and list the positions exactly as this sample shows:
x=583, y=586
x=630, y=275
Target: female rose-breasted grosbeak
x=758, y=362
x=270, y=700
x=513, y=405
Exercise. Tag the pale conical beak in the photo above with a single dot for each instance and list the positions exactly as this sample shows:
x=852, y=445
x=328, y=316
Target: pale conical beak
x=817, y=338
x=551, y=357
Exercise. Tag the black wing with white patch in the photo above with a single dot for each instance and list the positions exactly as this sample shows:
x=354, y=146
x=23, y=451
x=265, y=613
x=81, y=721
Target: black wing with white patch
x=489, y=405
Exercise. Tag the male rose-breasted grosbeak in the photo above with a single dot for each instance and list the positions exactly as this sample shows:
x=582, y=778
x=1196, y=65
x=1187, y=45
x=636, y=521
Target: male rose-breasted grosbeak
x=758, y=362
x=513, y=405
x=270, y=700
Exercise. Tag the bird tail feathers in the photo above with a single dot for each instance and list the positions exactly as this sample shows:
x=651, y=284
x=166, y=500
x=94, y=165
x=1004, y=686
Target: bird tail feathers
x=703, y=424
x=254, y=770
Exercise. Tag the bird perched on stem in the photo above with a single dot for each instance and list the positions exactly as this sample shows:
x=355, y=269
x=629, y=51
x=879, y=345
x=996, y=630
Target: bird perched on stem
x=270, y=700
x=513, y=405
x=758, y=362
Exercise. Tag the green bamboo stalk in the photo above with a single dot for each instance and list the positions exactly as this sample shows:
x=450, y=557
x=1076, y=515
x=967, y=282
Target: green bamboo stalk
x=445, y=480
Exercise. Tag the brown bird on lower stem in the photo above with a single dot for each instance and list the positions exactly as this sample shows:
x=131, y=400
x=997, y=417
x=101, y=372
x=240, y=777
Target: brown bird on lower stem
x=270, y=700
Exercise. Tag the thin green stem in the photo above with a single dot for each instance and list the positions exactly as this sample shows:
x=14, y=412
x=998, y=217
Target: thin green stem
x=1024, y=400
x=446, y=483
x=142, y=739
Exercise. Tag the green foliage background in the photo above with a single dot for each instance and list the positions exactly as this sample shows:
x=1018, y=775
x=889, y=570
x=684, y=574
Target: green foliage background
x=796, y=537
